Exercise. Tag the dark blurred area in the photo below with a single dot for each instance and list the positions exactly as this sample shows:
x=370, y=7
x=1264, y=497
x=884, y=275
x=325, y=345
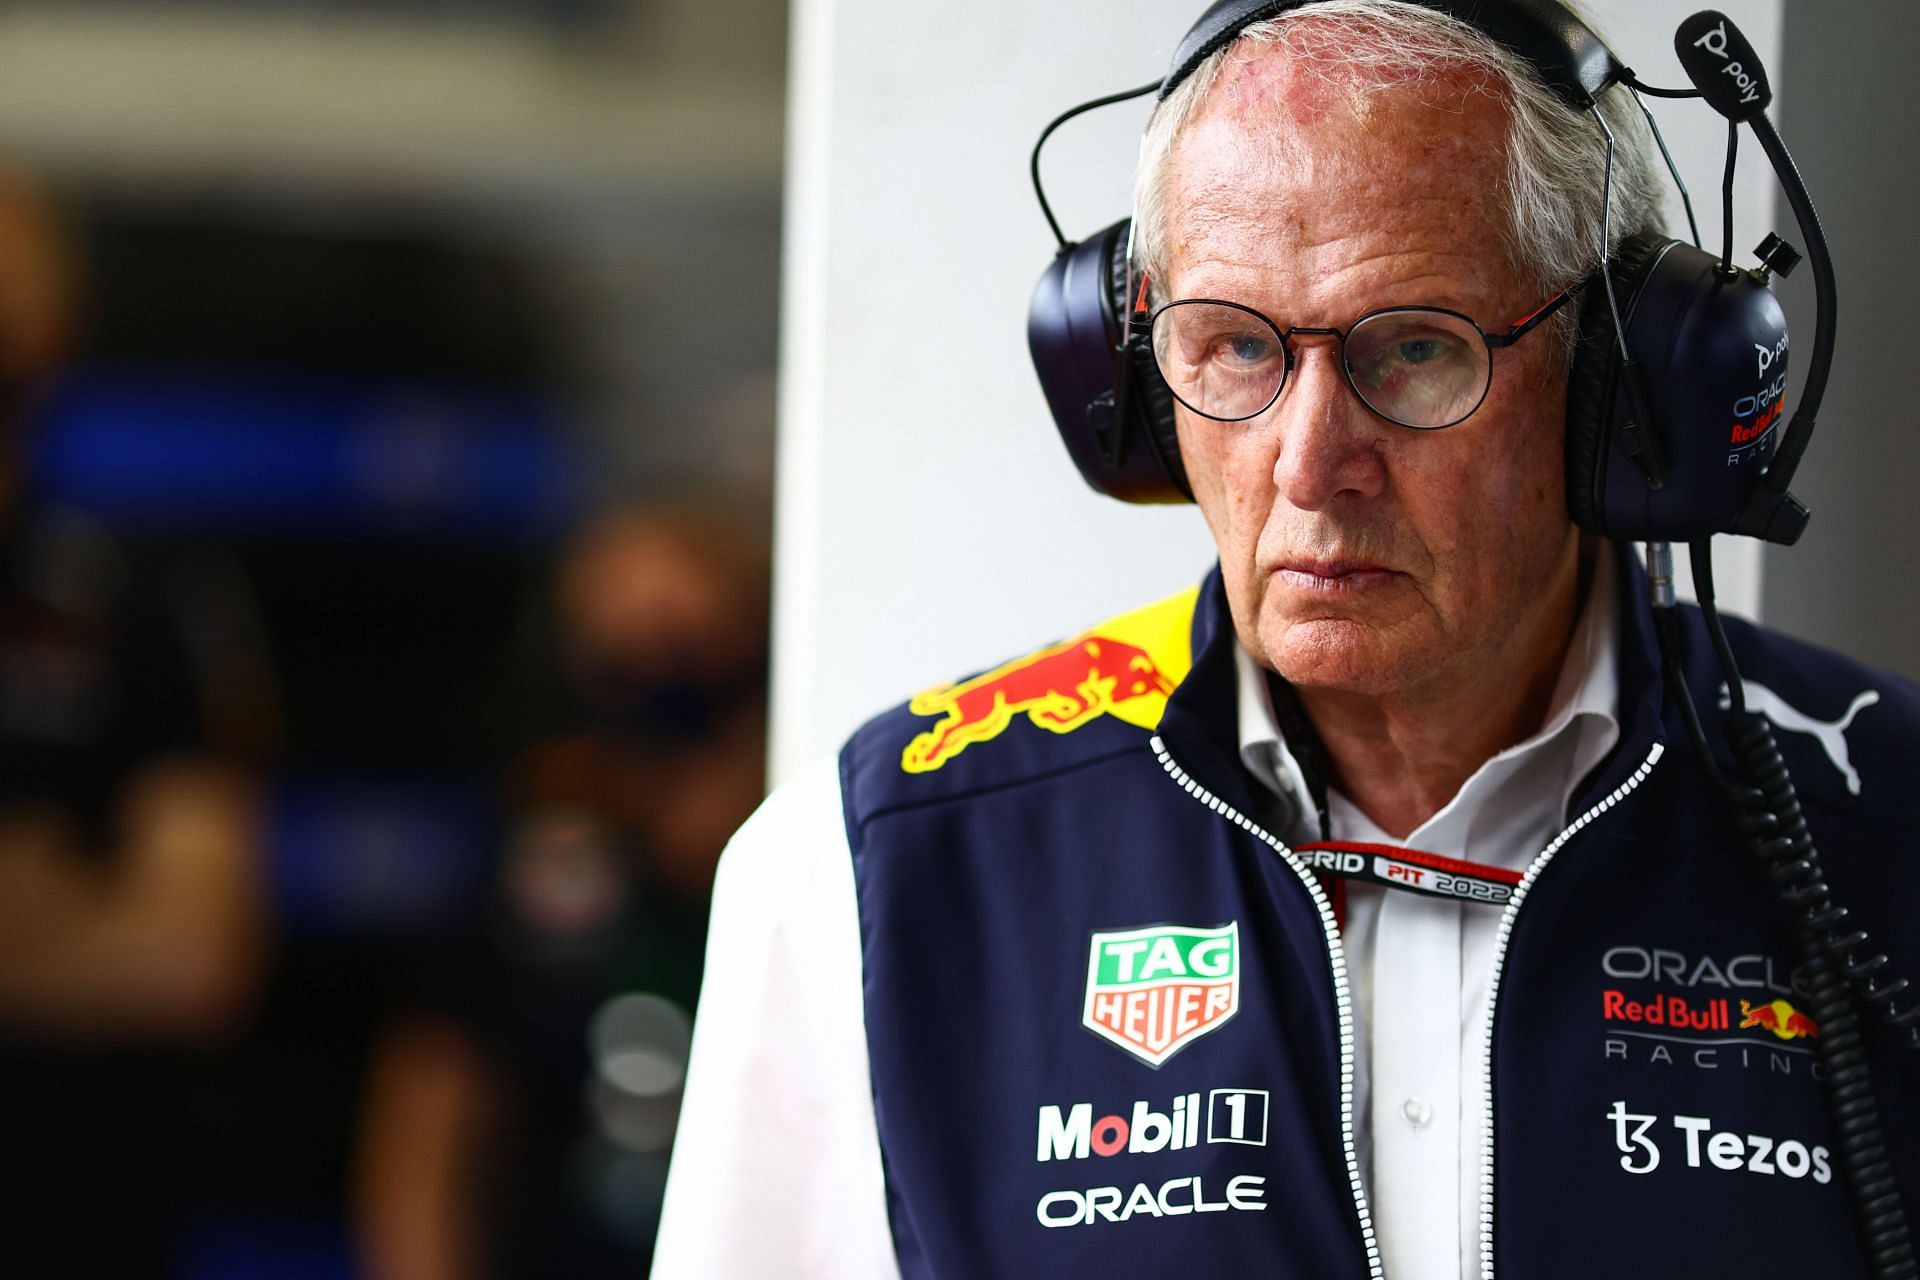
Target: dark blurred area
x=387, y=449
x=522, y=1098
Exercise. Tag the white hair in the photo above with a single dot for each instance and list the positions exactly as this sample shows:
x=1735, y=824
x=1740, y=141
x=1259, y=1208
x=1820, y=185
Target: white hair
x=1555, y=154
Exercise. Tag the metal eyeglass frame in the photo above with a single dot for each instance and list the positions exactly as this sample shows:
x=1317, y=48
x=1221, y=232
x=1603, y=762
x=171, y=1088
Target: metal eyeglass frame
x=1140, y=324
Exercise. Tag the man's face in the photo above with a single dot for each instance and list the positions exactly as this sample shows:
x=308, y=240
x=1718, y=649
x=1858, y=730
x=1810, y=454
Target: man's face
x=1359, y=555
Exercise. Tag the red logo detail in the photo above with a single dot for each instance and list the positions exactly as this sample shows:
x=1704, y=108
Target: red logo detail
x=1667, y=1011
x=1761, y=425
x=1058, y=689
x=1780, y=1018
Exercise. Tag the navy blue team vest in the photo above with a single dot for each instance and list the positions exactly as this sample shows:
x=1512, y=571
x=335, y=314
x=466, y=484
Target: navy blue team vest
x=1107, y=1016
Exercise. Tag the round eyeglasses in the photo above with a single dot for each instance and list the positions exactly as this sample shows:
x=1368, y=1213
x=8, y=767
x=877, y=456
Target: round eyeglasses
x=1421, y=367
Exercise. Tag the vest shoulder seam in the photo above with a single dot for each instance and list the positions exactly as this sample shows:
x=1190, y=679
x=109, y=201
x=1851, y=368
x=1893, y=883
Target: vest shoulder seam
x=856, y=821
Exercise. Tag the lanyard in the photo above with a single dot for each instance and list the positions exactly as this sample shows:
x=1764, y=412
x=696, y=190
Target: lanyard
x=1410, y=869
x=1383, y=864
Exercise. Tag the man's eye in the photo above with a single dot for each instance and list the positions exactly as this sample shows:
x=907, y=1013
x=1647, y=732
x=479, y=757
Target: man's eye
x=1247, y=348
x=1377, y=359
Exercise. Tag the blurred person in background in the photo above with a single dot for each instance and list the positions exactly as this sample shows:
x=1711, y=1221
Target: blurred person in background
x=518, y=1115
x=131, y=920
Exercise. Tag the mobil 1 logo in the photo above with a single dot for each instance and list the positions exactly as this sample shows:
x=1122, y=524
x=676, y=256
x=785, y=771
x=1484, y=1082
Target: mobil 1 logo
x=1072, y=1132
x=1228, y=1115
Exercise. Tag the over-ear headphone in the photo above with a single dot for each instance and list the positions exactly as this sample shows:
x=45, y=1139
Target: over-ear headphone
x=1678, y=373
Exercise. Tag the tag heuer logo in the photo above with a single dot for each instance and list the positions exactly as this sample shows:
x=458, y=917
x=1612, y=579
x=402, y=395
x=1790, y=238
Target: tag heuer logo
x=1154, y=991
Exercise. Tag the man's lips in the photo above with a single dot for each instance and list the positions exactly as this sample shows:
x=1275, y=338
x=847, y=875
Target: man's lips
x=1333, y=576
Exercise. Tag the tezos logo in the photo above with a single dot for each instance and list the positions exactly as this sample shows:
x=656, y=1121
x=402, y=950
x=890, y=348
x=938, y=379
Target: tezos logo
x=1154, y=991
x=1633, y=1135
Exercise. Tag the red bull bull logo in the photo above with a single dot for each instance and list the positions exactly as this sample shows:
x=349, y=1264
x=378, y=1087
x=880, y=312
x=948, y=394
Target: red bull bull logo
x=1125, y=668
x=1778, y=1017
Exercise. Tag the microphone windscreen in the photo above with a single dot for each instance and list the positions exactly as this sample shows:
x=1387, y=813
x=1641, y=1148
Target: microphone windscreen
x=1722, y=65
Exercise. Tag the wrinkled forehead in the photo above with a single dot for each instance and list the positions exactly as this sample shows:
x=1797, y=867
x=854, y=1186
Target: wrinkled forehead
x=1306, y=146
x=1325, y=88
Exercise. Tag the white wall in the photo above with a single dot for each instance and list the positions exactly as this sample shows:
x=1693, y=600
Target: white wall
x=928, y=522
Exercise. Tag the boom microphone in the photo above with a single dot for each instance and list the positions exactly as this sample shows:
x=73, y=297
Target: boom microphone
x=1722, y=65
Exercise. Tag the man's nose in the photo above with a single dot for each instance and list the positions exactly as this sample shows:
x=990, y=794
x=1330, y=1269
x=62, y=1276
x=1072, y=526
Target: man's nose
x=1329, y=443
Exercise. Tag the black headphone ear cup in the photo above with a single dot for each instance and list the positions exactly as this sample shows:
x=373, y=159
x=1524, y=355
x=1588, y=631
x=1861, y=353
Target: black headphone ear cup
x=1595, y=369
x=1149, y=395
x=1120, y=438
x=1156, y=403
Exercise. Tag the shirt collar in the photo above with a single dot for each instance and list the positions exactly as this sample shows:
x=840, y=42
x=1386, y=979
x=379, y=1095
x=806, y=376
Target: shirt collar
x=1585, y=698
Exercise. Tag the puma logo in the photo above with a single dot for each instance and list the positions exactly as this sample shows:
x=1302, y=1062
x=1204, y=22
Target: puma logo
x=1831, y=734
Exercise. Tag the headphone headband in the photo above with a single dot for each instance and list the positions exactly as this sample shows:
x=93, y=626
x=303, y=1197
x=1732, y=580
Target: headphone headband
x=1574, y=61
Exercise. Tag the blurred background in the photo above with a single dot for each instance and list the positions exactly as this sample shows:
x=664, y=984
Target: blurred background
x=386, y=403
x=387, y=476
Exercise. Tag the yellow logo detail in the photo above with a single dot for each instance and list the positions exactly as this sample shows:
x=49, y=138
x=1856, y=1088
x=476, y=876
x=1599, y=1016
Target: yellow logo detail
x=1125, y=667
x=1778, y=1017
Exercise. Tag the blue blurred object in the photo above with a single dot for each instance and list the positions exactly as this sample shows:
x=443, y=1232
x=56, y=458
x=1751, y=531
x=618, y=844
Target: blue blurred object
x=366, y=857
x=289, y=1247
x=154, y=449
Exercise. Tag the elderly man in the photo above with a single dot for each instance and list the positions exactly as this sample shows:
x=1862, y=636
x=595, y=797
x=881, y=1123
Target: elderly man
x=1367, y=911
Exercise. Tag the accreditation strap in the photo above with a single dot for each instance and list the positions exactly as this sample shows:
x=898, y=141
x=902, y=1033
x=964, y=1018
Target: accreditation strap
x=1338, y=861
x=1412, y=870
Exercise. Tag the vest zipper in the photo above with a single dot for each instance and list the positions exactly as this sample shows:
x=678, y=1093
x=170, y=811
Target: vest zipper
x=1342, y=997
x=1501, y=939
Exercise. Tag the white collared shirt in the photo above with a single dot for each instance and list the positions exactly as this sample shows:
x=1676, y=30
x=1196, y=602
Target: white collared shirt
x=1420, y=966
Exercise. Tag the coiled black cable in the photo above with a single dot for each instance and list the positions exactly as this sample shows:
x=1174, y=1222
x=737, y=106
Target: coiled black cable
x=1834, y=954
x=1771, y=817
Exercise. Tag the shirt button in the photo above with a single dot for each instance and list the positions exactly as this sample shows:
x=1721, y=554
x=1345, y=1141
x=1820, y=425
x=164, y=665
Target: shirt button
x=1417, y=1112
